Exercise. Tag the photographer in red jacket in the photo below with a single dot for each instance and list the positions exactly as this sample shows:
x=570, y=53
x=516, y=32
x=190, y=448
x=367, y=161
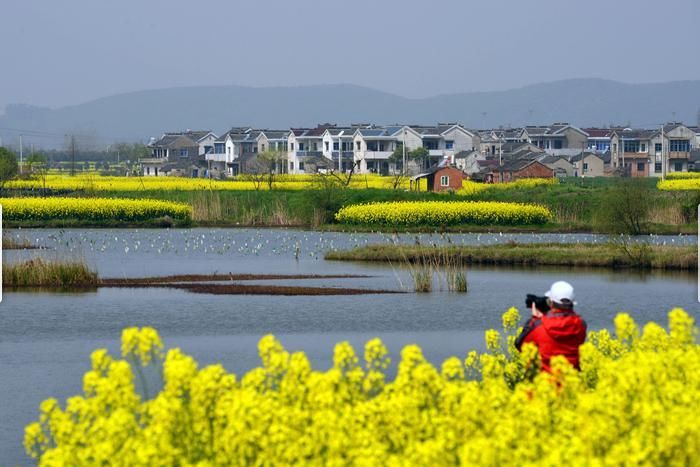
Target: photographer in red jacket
x=555, y=328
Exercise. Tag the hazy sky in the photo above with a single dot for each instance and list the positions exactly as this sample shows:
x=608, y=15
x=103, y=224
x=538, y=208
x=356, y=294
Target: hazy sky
x=70, y=51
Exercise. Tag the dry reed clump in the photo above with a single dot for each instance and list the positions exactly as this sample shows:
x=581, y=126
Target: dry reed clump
x=206, y=206
x=48, y=273
x=448, y=268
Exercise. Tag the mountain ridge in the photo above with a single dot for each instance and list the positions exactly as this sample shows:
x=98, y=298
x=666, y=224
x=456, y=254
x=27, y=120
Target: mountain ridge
x=138, y=115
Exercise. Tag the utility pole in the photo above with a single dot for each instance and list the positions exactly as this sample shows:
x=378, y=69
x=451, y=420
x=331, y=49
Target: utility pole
x=403, y=167
x=663, y=161
x=72, y=155
x=20, y=153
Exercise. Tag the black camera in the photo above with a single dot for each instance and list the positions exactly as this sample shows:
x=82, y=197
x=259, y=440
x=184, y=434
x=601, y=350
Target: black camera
x=541, y=303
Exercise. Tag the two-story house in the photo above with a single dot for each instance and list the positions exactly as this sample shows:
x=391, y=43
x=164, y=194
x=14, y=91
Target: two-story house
x=174, y=154
x=373, y=148
x=305, y=149
x=557, y=137
x=338, y=146
x=445, y=140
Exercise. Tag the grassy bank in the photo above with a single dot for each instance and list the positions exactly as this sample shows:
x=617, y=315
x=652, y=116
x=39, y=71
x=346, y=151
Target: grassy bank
x=46, y=273
x=540, y=254
x=577, y=205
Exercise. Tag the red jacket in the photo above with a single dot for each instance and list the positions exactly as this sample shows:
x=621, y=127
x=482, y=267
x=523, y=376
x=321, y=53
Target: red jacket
x=559, y=332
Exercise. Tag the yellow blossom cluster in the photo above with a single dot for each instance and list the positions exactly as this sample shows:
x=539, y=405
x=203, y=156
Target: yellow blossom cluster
x=471, y=188
x=679, y=184
x=634, y=402
x=412, y=213
x=93, y=209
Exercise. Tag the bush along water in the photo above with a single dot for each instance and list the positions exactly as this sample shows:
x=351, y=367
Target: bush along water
x=633, y=402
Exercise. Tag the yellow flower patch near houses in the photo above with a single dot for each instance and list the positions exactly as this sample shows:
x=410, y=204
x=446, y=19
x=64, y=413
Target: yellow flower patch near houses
x=414, y=213
x=91, y=209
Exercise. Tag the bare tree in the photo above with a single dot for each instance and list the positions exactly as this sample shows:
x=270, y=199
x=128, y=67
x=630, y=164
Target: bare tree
x=264, y=168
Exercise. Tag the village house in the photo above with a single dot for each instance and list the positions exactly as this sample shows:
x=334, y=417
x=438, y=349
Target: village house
x=629, y=150
x=519, y=169
x=598, y=139
x=305, y=149
x=440, y=178
x=468, y=161
x=232, y=150
x=373, y=147
x=588, y=164
x=560, y=165
x=338, y=147
x=176, y=154
x=445, y=140
x=559, y=136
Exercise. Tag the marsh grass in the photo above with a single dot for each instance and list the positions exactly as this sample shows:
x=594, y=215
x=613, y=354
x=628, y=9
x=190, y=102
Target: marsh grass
x=40, y=272
x=449, y=270
x=616, y=254
x=11, y=243
x=206, y=206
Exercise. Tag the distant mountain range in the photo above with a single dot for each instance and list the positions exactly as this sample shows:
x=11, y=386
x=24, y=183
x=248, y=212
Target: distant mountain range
x=137, y=116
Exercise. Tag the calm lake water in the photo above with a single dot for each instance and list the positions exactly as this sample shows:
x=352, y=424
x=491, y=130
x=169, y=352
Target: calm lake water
x=46, y=338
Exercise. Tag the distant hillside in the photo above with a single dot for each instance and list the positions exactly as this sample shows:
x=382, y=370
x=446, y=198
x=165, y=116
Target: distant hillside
x=140, y=115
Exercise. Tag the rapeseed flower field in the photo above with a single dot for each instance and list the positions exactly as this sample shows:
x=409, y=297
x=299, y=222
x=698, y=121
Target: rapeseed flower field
x=634, y=402
x=93, y=209
x=471, y=188
x=98, y=183
x=679, y=184
x=415, y=213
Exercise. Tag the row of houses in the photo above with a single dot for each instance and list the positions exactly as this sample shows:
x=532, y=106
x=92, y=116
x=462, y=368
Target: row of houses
x=493, y=155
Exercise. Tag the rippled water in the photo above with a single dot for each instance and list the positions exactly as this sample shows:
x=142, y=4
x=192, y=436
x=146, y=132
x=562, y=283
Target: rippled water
x=46, y=338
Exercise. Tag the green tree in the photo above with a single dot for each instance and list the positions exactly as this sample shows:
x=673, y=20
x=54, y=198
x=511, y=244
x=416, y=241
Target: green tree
x=37, y=165
x=8, y=166
x=626, y=206
x=420, y=155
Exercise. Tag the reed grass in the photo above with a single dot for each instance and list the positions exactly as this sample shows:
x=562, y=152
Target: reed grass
x=48, y=273
x=610, y=255
x=11, y=243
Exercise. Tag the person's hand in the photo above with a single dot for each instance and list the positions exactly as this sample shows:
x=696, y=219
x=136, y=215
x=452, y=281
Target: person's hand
x=535, y=312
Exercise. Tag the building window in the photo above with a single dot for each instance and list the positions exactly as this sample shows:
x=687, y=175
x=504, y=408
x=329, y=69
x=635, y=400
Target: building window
x=631, y=146
x=640, y=166
x=148, y=171
x=678, y=167
x=357, y=145
x=449, y=144
x=262, y=147
x=444, y=180
x=585, y=166
x=301, y=166
x=219, y=148
x=291, y=147
x=184, y=152
x=679, y=145
x=657, y=147
x=381, y=146
x=336, y=146
x=643, y=147
x=557, y=144
x=315, y=146
x=657, y=167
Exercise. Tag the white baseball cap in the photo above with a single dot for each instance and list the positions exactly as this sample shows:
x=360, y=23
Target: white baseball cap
x=560, y=291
